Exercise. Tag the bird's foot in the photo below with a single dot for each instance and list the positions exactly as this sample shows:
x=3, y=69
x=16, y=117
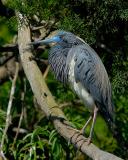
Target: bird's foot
x=80, y=133
x=86, y=140
x=76, y=134
x=85, y=126
x=89, y=139
x=78, y=139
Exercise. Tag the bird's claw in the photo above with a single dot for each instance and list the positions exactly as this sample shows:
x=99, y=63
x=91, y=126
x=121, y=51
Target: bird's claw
x=79, y=141
x=77, y=134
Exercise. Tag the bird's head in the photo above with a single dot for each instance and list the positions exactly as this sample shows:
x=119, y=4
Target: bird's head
x=62, y=38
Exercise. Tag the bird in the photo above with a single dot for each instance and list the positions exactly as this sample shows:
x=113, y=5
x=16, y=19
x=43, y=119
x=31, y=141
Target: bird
x=76, y=64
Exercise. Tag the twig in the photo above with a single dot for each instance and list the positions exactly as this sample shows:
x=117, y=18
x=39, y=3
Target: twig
x=22, y=113
x=46, y=72
x=2, y=156
x=36, y=28
x=5, y=59
x=8, y=70
x=21, y=130
x=10, y=104
x=18, y=128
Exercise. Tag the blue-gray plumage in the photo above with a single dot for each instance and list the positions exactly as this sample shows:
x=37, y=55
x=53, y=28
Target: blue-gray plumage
x=75, y=63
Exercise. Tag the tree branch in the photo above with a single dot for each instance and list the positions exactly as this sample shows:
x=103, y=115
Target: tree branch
x=45, y=99
x=22, y=113
x=9, y=108
x=8, y=66
x=9, y=48
x=8, y=70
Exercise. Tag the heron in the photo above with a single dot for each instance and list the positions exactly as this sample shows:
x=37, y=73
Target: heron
x=75, y=63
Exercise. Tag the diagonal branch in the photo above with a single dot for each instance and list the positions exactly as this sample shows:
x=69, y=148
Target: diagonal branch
x=45, y=99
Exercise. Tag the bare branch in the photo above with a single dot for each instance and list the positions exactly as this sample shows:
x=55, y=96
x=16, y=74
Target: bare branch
x=46, y=101
x=2, y=156
x=8, y=70
x=10, y=105
x=7, y=52
x=21, y=115
x=5, y=58
x=46, y=72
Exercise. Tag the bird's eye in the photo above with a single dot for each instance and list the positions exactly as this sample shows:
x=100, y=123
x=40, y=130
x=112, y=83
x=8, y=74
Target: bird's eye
x=61, y=36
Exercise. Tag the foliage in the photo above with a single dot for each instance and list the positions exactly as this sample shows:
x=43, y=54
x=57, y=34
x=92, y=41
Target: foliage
x=96, y=22
x=5, y=32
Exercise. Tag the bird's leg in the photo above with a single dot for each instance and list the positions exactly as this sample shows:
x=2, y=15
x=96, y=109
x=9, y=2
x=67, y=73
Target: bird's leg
x=86, y=124
x=93, y=118
x=81, y=132
x=93, y=123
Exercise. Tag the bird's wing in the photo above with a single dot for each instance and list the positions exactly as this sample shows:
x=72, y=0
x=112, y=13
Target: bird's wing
x=90, y=71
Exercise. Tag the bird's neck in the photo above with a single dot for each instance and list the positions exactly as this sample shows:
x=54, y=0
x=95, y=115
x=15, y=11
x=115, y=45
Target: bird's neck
x=57, y=60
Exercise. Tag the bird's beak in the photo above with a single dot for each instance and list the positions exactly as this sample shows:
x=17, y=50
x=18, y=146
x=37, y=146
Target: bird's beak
x=47, y=41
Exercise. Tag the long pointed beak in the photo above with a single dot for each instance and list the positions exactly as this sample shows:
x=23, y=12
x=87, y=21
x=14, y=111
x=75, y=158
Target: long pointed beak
x=46, y=41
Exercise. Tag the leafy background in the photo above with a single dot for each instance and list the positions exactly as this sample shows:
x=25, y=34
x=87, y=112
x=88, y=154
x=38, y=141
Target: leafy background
x=104, y=22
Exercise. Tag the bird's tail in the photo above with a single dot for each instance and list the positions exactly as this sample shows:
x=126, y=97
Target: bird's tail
x=108, y=115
